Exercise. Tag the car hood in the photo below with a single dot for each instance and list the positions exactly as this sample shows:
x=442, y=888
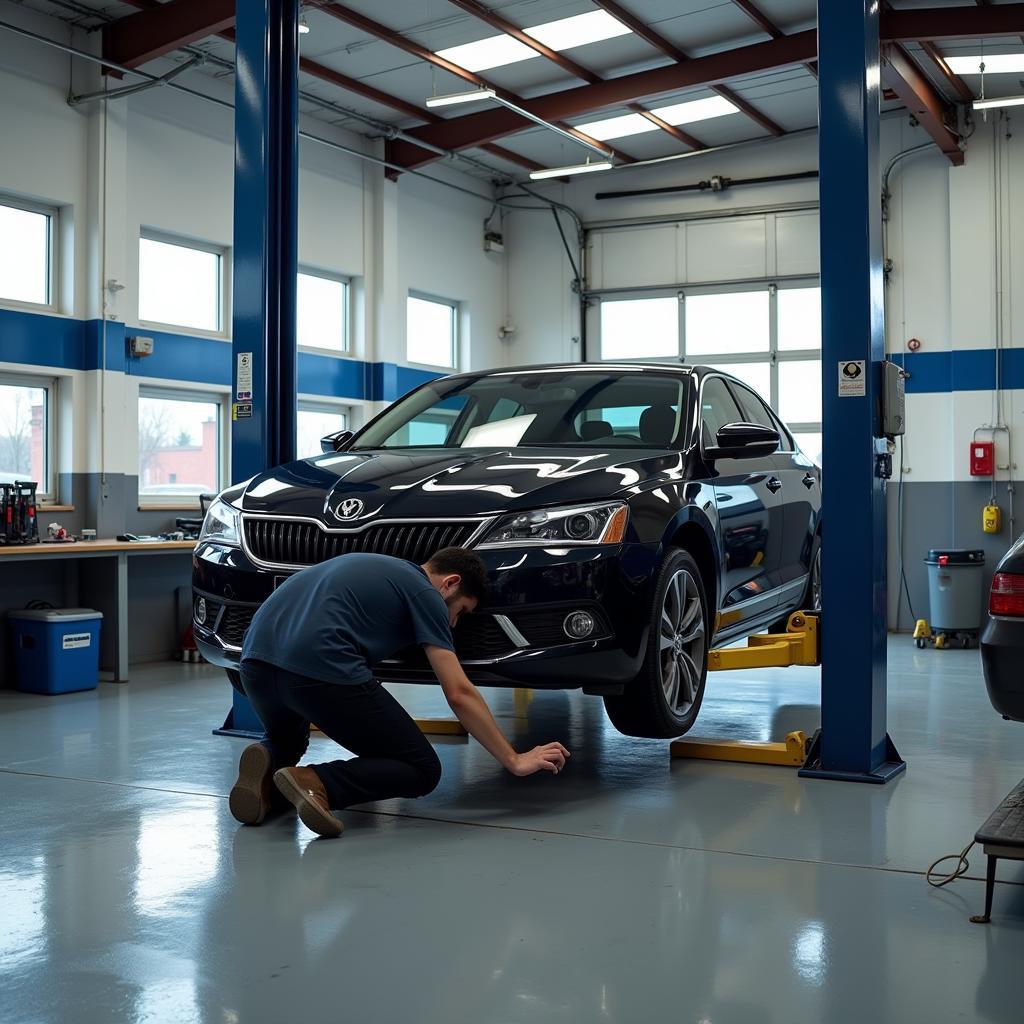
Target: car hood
x=439, y=483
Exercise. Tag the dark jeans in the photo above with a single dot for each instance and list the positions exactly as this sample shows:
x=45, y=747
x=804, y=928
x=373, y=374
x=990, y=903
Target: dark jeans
x=392, y=756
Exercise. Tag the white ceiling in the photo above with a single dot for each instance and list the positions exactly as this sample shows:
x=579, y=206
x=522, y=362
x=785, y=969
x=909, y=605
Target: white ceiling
x=697, y=27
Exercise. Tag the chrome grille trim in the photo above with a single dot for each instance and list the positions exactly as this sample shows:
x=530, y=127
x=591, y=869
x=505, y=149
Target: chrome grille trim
x=284, y=537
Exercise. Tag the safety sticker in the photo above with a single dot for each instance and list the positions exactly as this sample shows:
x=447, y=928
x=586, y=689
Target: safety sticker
x=853, y=379
x=241, y=411
x=71, y=640
x=243, y=385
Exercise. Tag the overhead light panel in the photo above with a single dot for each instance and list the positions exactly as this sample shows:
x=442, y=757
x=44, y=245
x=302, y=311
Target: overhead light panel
x=559, y=172
x=1001, y=101
x=451, y=98
x=303, y=26
x=675, y=114
x=564, y=34
x=995, y=64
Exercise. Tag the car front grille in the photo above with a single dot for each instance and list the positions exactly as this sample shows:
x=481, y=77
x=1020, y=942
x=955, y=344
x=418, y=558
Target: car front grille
x=477, y=638
x=234, y=624
x=297, y=542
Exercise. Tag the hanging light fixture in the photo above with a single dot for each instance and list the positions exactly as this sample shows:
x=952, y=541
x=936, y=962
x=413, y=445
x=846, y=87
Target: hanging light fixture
x=303, y=26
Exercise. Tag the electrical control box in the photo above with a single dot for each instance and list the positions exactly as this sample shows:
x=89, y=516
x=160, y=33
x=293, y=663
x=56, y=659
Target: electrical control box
x=983, y=458
x=894, y=415
x=141, y=346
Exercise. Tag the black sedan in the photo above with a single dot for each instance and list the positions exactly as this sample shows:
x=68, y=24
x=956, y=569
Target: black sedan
x=1002, y=642
x=630, y=516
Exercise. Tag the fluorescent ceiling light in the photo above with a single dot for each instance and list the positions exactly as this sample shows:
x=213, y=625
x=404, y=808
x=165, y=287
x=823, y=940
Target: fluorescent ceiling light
x=1004, y=101
x=496, y=51
x=472, y=96
x=674, y=114
x=558, y=172
x=303, y=26
x=995, y=64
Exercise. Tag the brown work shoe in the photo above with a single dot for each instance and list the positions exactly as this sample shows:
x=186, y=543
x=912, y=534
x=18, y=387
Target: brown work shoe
x=250, y=796
x=302, y=786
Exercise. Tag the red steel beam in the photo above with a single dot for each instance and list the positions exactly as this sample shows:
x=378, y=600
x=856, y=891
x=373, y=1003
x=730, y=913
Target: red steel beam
x=953, y=80
x=473, y=129
x=918, y=94
x=387, y=35
x=156, y=31
x=987, y=3
x=659, y=42
x=912, y=25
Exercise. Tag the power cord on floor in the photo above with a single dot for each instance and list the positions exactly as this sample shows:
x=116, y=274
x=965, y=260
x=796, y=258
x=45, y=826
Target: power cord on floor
x=962, y=867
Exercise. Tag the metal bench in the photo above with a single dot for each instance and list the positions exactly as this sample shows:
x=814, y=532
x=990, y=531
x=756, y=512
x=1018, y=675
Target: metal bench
x=1002, y=836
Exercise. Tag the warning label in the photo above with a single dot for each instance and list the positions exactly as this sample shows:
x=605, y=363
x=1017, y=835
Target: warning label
x=71, y=640
x=241, y=411
x=243, y=385
x=853, y=379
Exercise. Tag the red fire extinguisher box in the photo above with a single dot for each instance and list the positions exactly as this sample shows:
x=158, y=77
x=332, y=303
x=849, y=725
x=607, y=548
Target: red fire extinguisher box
x=983, y=458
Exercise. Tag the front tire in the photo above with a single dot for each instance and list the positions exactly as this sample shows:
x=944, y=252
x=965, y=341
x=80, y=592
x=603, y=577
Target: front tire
x=663, y=700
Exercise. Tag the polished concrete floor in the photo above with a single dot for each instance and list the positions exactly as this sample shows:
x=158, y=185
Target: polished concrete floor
x=628, y=889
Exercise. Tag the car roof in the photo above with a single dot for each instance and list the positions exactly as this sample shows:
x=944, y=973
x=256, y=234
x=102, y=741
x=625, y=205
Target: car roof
x=681, y=369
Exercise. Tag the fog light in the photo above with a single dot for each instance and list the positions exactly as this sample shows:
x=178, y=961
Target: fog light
x=201, y=611
x=578, y=625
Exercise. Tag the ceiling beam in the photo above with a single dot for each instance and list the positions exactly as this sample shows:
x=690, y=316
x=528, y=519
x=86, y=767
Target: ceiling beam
x=159, y=30
x=933, y=24
x=387, y=35
x=472, y=129
x=951, y=78
x=659, y=42
x=567, y=64
x=752, y=11
x=988, y=3
x=919, y=96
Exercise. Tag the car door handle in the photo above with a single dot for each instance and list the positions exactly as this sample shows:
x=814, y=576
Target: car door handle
x=775, y=485
x=809, y=480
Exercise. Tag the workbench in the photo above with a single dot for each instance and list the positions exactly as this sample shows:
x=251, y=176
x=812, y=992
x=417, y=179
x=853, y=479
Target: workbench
x=110, y=596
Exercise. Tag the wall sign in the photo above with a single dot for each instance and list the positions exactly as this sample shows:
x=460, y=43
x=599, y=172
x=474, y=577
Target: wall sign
x=853, y=378
x=243, y=386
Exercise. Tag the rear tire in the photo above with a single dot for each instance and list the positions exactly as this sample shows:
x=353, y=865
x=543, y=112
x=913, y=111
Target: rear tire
x=665, y=697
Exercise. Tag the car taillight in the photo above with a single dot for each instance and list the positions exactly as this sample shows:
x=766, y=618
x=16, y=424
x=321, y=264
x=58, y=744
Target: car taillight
x=1007, y=594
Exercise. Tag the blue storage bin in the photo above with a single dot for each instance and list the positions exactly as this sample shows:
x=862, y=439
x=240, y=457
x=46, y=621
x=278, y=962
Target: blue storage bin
x=56, y=650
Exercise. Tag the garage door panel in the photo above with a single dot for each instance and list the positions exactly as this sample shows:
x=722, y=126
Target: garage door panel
x=726, y=250
x=797, y=245
x=638, y=257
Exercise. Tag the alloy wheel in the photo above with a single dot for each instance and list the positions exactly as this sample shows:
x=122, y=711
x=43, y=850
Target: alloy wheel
x=683, y=641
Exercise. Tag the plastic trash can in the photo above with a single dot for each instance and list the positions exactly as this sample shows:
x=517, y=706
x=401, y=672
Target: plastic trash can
x=56, y=650
x=955, y=578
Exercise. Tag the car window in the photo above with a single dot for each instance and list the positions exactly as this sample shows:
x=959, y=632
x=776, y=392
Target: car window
x=429, y=427
x=717, y=407
x=755, y=411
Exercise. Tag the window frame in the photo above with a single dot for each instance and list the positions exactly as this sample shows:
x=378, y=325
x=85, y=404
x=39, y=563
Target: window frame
x=52, y=214
x=149, y=502
x=347, y=315
x=223, y=284
x=325, y=405
x=455, y=306
x=772, y=356
x=46, y=494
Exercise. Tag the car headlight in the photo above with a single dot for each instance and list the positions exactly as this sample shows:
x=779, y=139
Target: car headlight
x=221, y=524
x=565, y=527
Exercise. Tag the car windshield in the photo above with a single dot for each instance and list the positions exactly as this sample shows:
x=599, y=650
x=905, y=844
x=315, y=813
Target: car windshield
x=601, y=409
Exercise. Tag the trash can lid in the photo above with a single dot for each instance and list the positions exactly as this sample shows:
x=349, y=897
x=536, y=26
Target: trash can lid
x=955, y=556
x=55, y=614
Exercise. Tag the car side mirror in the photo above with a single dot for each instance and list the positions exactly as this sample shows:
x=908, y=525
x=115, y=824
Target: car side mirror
x=337, y=442
x=744, y=441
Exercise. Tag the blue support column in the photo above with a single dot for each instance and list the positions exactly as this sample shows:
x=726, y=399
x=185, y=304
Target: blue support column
x=265, y=253
x=853, y=743
x=266, y=235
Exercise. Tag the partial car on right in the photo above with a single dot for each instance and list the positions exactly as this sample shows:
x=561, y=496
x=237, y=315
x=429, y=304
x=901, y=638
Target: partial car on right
x=1002, y=642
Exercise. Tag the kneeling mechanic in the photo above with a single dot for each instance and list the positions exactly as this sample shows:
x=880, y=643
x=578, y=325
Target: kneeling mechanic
x=308, y=657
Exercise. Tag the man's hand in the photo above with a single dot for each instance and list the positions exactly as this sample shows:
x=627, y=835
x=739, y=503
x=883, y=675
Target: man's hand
x=551, y=757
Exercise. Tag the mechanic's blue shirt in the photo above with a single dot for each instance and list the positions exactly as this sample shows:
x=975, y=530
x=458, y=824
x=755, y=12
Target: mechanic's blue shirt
x=336, y=620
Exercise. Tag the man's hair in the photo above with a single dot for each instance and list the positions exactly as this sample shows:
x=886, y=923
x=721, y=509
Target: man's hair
x=464, y=563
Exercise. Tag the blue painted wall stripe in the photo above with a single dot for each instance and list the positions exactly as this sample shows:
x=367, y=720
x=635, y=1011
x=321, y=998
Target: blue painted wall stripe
x=964, y=369
x=68, y=344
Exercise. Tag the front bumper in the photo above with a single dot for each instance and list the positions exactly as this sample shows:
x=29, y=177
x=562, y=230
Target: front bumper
x=533, y=589
x=1002, y=657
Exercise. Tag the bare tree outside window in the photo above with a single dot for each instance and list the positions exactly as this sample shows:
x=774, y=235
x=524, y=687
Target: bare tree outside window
x=179, y=445
x=23, y=433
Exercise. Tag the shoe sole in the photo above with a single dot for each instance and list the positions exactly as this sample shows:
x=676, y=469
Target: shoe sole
x=249, y=800
x=312, y=815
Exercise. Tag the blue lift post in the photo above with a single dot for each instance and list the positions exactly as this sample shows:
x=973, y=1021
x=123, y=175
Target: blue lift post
x=263, y=410
x=853, y=744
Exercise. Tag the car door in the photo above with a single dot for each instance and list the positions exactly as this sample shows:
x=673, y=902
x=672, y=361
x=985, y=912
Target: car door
x=801, y=499
x=750, y=513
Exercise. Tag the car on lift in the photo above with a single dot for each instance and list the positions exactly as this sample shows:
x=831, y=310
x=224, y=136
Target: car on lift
x=1002, y=640
x=631, y=516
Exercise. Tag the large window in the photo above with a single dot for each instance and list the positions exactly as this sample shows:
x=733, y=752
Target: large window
x=180, y=284
x=26, y=432
x=431, y=331
x=322, y=321
x=180, y=442
x=26, y=253
x=769, y=336
x=316, y=421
